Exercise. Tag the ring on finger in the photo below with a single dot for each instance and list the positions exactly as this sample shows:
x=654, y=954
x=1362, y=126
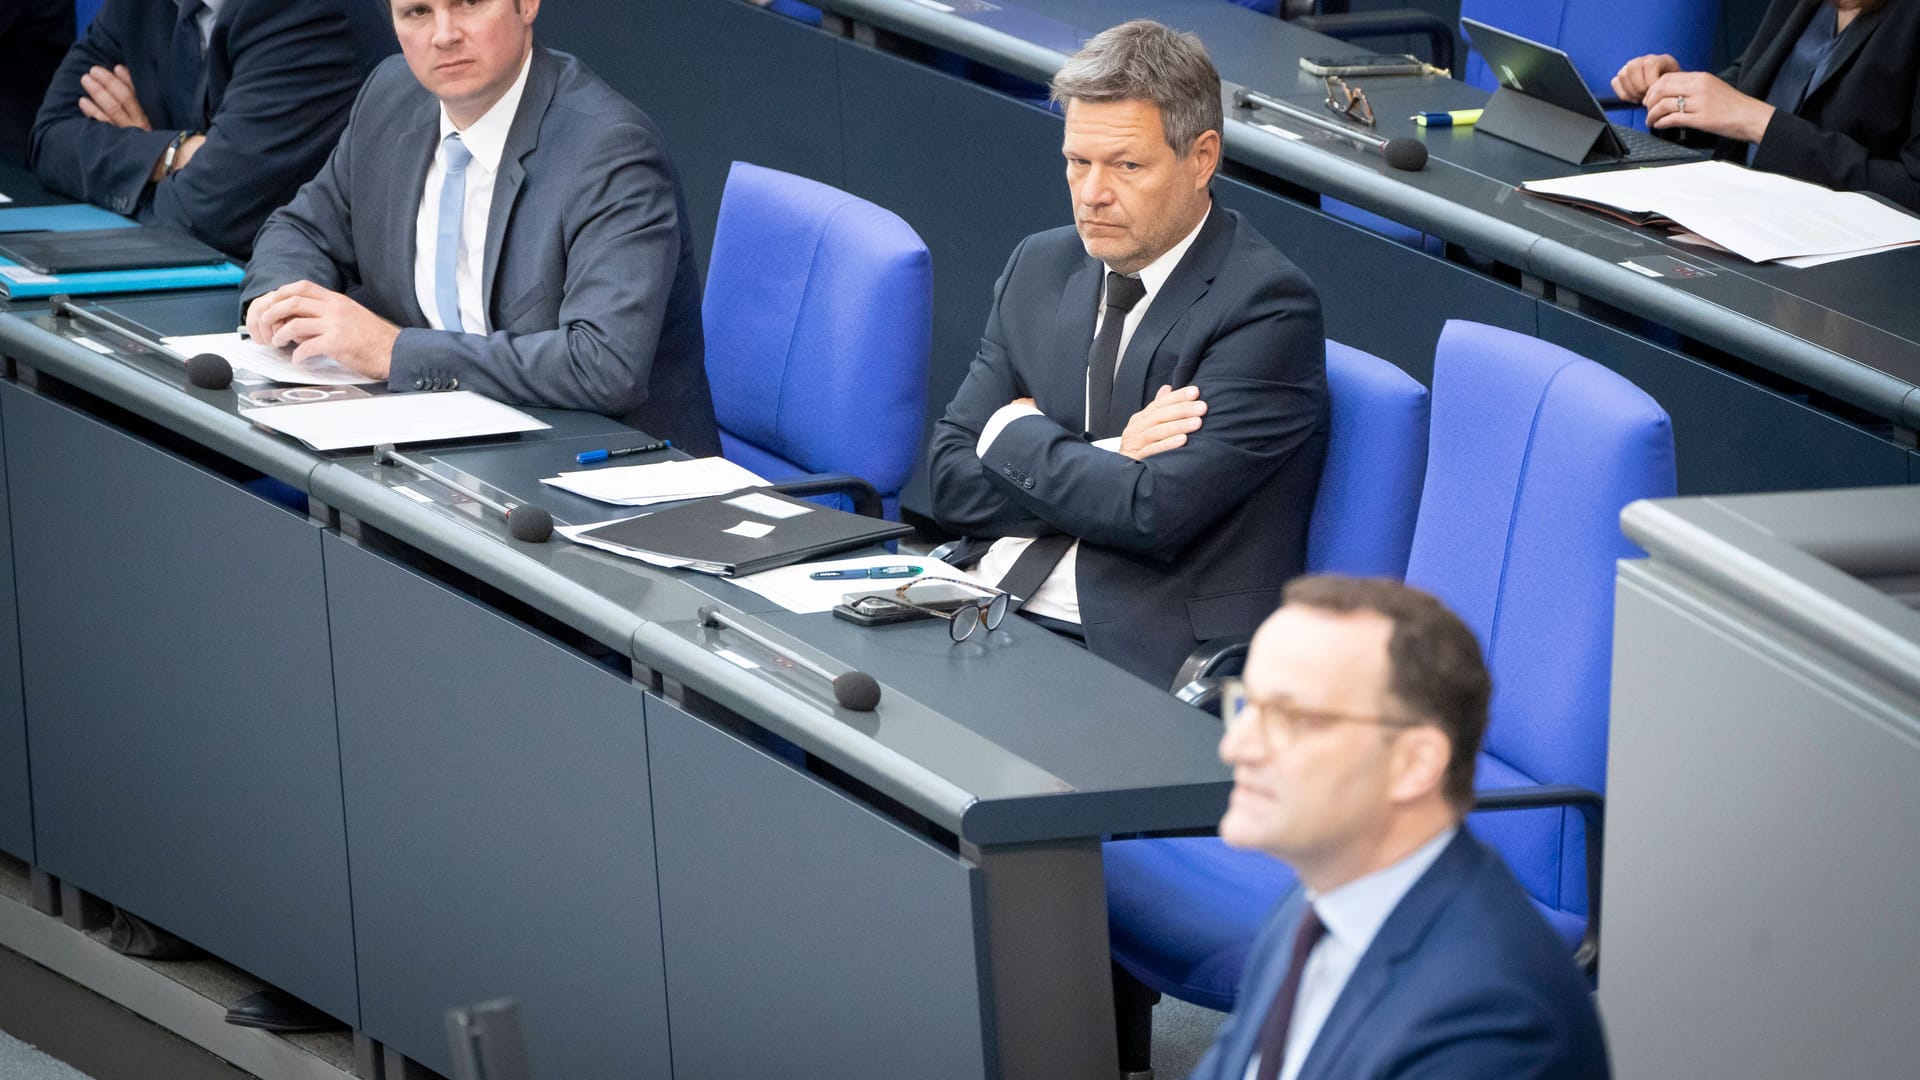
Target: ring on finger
x=1681, y=102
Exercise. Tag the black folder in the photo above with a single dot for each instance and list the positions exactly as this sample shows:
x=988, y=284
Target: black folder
x=745, y=532
x=79, y=251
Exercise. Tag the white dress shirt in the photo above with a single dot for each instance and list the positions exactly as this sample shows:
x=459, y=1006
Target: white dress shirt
x=1059, y=596
x=204, y=20
x=486, y=140
x=1353, y=915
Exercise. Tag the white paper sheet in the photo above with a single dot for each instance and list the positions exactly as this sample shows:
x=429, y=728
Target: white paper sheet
x=664, y=481
x=394, y=418
x=793, y=588
x=1759, y=216
x=266, y=361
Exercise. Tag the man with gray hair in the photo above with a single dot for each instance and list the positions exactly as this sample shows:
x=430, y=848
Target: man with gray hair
x=1141, y=433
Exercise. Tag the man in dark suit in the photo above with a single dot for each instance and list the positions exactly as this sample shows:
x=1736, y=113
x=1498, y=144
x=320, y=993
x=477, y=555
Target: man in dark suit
x=1410, y=951
x=204, y=114
x=495, y=219
x=1149, y=399
x=1828, y=91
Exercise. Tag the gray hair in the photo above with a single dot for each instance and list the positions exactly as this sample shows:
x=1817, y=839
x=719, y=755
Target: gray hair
x=1145, y=61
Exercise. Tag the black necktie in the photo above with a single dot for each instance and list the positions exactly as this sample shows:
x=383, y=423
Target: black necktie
x=1273, y=1037
x=1122, y=294
x=186, y=93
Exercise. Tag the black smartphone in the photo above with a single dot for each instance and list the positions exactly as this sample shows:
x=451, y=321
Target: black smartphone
x=1362, y=64
x=876, y=611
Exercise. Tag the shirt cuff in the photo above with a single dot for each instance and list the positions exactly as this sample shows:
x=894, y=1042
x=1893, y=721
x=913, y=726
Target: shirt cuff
x=1111, y=445
x=997, y=423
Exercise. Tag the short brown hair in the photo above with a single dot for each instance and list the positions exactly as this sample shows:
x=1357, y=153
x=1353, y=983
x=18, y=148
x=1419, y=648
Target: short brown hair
x=1436, y=669
x=1145, y=61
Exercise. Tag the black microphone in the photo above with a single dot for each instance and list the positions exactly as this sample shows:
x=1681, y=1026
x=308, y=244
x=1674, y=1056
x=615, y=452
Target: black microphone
x=210, y=371
x=854, y=690
x=526, y=522
x=1407, y=155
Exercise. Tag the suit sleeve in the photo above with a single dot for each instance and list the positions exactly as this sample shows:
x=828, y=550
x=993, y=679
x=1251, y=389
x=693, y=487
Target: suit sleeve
x=310, y=238
x=84, y=158
x=1795, y=146
x=965, y=497
x=622, y=251
x=296, y=68
x=1494, y=1035
x=1262, y=374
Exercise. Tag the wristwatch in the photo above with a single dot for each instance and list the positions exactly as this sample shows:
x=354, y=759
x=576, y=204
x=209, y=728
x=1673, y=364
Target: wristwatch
x=173, y=150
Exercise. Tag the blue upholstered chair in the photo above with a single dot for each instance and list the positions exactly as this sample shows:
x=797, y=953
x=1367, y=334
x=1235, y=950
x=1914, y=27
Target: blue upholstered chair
x=83, y=13
x=1533, y=453
x=1601, y=35
x=819, y=314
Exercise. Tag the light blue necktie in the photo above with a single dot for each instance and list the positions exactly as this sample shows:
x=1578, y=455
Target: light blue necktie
x=446, y=250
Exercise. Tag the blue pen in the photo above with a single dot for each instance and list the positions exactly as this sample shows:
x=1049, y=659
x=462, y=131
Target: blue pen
x=865, y=572
x=588, y=457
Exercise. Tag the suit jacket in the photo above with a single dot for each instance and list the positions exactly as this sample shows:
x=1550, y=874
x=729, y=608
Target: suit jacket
x=1464, y=981
x=588, y=275
x=1858, y=128
x=1187, y=545
x=280, y=77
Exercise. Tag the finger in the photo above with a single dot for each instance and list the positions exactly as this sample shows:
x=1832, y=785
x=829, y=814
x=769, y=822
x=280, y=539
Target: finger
x=92, y=111
x=306, y=289
x=315, y=346
x=298, y=331
x=1162, y=432
x=1161, y=446
x=117, y=91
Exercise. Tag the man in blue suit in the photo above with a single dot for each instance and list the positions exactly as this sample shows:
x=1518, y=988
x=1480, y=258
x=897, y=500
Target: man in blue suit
x=1410, y=951
x=204, y=114
x=497, y=219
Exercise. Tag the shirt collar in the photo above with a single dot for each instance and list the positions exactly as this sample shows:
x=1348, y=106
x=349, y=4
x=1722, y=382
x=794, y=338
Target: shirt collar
x=1354, y=912
x=1155, y=274
x=486, y=138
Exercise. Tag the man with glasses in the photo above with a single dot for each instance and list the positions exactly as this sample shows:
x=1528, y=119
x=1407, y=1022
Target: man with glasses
x=1411, y=950
x=1141, y=433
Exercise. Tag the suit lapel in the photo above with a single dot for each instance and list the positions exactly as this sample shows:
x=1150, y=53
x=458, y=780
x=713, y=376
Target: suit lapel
x=1755, y=80
x=1851, y=39
x=1262, y=984
x=418, y=144
x=522, y=139
x=1188, y=283
x=1072, y=340
x=1399, y=938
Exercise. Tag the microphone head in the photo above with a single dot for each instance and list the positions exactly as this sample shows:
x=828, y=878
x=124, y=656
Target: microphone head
x=531, y=524
x=856, y=690
x=209, y=371
x=1406, y=154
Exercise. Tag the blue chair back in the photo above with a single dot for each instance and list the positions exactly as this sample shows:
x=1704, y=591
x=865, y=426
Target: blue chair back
x=819, y=317
x=1369, y=496
x=1535, y=451
x=83, y=13
x=1182, y=913
x=1600, y=35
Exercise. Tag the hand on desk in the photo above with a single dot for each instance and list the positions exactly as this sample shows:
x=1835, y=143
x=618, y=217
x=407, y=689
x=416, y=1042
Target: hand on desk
x=1690, y=99
x=321, y=322
x=1164, y=424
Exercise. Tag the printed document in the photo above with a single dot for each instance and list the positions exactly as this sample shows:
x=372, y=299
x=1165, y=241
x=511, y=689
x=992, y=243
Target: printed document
x=265, y=360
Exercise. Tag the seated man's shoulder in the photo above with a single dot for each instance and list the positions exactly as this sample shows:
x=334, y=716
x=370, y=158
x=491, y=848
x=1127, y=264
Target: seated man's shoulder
x=579, y=93
x=1257, y=260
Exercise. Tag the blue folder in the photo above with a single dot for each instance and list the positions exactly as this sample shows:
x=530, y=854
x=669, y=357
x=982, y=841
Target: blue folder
x=81, y=216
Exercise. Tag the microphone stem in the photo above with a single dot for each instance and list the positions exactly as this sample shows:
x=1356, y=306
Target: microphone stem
x=63, y=307
x=1253, y=99
x=398, y=458
x=717, y=618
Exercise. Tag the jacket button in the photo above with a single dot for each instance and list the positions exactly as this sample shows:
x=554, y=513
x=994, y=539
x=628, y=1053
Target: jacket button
x=1027, y=482
x=419, y=384
x=453, y=383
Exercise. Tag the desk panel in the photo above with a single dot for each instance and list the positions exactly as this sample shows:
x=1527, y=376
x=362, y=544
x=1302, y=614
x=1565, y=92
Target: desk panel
x=793, y=916
x=1730, y=434
x=499, y=825
x=174, y=647
x=16, y=806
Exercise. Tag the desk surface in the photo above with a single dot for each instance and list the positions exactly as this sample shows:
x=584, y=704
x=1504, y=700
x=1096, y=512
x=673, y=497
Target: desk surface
x=1012, y=737
x=1846, y=329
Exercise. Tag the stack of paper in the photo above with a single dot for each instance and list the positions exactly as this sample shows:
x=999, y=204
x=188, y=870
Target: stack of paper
x=394, y=418
x=666, y=481
x=1759, y=216
x=266, y=361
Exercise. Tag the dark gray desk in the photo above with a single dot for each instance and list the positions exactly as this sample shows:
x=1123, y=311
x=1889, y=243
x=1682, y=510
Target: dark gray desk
x=1775, y=378
x=390, y=760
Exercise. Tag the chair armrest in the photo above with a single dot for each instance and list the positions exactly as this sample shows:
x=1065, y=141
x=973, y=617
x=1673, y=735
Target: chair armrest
x=1202, y=694
x=1439, y=34
x=1593, y=813
x=1212, y=658
x=866, y=499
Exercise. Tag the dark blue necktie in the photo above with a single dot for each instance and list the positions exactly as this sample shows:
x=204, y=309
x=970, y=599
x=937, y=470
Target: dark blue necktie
x=1273, y=1036
x=187, y=73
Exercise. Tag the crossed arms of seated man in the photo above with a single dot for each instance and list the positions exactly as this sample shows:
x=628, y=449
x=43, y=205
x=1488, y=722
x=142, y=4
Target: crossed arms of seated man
x=1235, y=400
